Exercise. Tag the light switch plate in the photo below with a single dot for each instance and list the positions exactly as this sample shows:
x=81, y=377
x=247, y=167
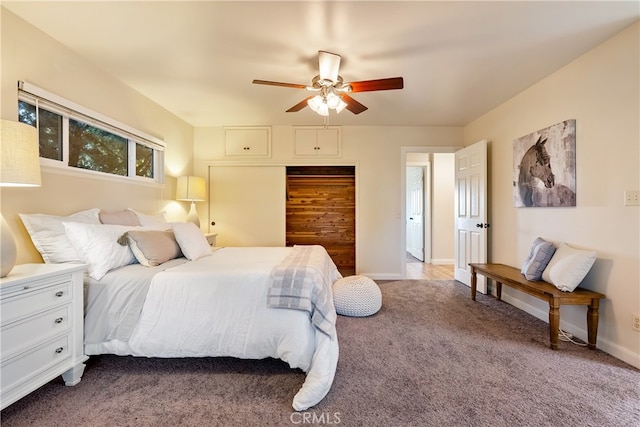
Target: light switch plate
x=632, y=198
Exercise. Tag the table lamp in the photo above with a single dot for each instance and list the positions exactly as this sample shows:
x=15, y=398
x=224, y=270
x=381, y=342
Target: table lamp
x=193, y=189
x=19, y=167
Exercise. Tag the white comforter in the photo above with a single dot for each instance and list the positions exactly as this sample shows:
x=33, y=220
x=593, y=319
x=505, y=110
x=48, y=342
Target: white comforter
x=204, y=308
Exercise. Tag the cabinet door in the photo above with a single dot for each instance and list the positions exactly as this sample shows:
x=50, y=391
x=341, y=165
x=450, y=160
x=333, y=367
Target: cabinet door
x=248, y=142
x=305, y=142
x=328, y=142
x=247, y=204
x=317, y=142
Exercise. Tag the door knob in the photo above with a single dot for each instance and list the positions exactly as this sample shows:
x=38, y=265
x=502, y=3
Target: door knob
x=485, y=225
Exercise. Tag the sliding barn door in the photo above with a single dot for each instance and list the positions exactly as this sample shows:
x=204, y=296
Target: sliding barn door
x=321, y=211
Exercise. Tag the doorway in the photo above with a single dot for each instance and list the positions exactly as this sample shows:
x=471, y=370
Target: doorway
x=418, y=220
x=438, y=168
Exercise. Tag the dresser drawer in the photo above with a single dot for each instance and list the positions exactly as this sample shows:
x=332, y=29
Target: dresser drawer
x=41, y=308
x=23, y=334
x=35, y=362
x=39, y=299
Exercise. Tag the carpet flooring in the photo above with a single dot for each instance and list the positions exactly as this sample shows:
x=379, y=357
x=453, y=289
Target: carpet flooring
x=430, y=357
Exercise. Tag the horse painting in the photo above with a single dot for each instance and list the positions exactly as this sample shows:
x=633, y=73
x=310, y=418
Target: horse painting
x=535, y=183
x=535, y=165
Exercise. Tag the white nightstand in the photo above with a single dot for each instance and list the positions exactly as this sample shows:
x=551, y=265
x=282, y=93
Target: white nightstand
x=211, y=238
x=41, y=335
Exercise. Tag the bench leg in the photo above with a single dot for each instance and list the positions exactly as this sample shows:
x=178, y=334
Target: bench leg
x=499, y=290
x=474, y=283
x=554, y=322
x=592, y=322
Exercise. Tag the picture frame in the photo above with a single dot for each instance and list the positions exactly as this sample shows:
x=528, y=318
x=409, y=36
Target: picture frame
x=544, y=167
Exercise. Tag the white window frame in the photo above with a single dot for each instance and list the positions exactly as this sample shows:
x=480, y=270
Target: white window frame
x=46, y=100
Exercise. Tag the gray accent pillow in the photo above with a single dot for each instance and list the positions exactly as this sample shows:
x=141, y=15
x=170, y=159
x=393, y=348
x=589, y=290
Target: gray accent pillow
x=538, y=259
x=119, y=218
x=153, y=247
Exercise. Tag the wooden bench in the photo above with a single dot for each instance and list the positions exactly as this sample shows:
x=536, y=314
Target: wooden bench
x=510, y=276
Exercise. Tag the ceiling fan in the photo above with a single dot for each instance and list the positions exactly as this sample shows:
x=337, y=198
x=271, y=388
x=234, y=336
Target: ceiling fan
x=332, y=91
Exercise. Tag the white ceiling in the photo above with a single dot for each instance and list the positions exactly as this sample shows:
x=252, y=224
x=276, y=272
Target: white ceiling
x=458, y=59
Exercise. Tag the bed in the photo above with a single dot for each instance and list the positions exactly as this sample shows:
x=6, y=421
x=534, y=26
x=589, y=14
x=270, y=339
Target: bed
x=157, y=292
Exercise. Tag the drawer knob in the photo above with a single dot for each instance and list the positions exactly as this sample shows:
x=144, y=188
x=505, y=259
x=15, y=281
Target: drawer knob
x=59, y=349
x=59, y=293
x=58, y=320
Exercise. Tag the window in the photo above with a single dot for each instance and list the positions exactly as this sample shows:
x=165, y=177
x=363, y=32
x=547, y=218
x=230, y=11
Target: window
x=144, y=161
x=49, y=128
x=96, y=149
x=75, y=137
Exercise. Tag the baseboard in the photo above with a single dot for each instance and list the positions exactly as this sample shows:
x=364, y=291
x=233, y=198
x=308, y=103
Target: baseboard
x=436, y=261
x=603, y=344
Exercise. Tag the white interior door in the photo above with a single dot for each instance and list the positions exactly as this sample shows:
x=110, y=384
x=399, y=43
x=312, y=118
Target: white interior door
x=248, y=205
x=415, y=211
x=471, y=212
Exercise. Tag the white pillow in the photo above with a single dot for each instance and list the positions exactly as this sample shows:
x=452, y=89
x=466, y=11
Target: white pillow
x=568, y=267
x=49, y=236
x=158, y=222
x=98, y=247
x=192, y=241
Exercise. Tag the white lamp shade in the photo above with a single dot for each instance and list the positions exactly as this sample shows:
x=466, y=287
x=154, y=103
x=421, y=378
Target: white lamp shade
x=19, y=155
x=191, y=188
x=19, y=167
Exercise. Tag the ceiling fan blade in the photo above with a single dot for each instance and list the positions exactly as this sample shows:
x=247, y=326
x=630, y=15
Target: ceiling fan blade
x=300, y=105
x=379, y=84
x=329, y=65
x=267, y=82
x=352, y=105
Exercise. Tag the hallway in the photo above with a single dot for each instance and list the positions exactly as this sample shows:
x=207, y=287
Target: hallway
x=417, y=270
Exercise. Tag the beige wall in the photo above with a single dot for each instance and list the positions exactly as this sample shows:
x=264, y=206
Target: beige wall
x=601, y=91
x=442, y=209
x=30, y=55
x=376, y=153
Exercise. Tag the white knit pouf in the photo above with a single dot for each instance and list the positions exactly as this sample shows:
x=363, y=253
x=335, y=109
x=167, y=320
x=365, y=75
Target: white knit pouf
x=356, y=296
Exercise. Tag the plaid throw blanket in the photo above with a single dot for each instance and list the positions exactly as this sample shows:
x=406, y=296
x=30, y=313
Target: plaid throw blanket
x=302, y=281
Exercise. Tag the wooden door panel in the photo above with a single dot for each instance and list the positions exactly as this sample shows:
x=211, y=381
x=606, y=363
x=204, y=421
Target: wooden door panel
x=321, y=211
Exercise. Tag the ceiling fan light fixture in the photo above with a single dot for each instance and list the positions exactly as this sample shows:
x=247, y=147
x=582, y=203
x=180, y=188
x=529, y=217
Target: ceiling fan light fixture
x=332, y=91
x=325, y=101
x=323, y=110
x=329, y=64
x=319, y=105
x=333, y=100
